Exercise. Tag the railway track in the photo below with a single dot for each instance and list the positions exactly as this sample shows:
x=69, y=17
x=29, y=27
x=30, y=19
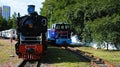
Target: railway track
x=94, y=61
x=26, y=63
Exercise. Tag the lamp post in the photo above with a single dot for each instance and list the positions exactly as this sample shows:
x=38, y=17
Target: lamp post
x=51, y=12
x=85, y=13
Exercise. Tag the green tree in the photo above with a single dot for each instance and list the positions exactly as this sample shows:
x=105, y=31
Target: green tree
x=12, y=21
x=107, y=29
x=3, y=24
x=94, y=19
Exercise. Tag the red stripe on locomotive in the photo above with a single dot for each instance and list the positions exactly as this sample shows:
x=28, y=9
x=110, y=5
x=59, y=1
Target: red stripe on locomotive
x=37, y=54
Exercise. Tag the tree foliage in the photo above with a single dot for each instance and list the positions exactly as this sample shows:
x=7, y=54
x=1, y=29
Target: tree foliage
x=96, y=20
x=11, y=23
x=3, y=24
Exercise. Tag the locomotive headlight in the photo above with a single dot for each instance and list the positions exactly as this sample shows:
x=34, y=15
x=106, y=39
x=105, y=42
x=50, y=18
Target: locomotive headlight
x=40, y=37
x=30, y=25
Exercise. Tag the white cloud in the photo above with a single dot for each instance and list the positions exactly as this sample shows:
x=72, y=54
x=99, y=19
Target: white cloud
x=21, y=5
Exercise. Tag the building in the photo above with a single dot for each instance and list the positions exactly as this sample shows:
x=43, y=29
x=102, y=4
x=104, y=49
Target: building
x=0, y=11
x=6, y=12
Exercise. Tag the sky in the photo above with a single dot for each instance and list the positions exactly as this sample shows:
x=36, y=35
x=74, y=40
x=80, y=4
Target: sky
x=21, y=5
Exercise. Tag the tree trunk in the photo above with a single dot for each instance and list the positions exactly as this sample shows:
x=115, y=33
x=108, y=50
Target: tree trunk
x=107, y=46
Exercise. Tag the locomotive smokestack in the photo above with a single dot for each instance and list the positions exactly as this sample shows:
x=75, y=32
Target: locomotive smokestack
x=31, y=9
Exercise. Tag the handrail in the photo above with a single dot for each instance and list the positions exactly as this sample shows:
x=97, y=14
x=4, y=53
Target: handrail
x=31, y=39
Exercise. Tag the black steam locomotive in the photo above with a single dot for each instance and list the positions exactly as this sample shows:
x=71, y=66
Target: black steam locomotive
x=31, y=30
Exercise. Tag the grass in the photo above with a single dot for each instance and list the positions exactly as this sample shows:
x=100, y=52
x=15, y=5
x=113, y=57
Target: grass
x=110, y=55
x=62, y=58
x=5, y=52
x=57, y=57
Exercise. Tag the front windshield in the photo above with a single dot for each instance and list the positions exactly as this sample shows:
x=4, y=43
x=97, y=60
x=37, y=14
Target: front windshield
x=62, y=26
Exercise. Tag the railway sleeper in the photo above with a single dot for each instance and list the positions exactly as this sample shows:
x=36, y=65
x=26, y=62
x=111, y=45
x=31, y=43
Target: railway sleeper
x=96, y=63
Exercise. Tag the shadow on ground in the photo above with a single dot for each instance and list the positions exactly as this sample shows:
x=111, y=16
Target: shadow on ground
x=59, y=55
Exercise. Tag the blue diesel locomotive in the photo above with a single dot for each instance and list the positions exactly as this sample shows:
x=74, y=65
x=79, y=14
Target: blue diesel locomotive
x=59, y=34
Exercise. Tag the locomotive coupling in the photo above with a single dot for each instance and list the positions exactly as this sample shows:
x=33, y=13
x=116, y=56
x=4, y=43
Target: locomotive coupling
x=30, y=50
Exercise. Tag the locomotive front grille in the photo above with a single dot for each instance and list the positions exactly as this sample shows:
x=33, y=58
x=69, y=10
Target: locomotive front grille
x=63, y=34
